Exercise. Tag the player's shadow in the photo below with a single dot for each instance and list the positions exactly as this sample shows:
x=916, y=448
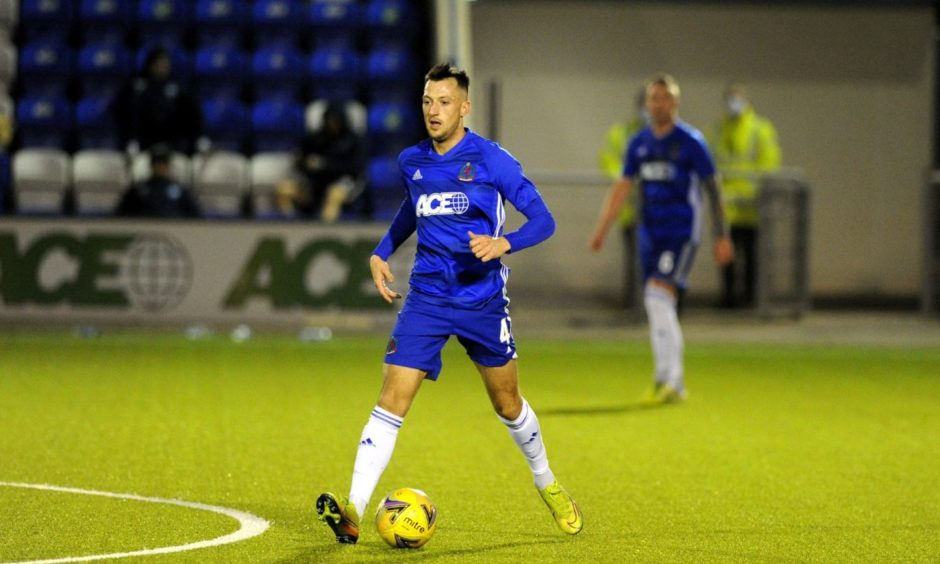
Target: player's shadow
x=630, y=407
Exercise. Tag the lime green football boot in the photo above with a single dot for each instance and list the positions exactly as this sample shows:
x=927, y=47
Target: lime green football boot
x=660, y=394
x=564, y=509
x=341, y=516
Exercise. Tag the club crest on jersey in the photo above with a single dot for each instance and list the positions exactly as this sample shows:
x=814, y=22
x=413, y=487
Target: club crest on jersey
x=467, y=172
x=442, y=203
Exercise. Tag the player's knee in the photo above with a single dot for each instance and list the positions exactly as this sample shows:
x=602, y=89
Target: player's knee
x=507, y=405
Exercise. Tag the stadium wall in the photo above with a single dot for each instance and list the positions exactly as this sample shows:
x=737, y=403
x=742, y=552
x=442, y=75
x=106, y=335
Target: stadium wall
x=849, y=89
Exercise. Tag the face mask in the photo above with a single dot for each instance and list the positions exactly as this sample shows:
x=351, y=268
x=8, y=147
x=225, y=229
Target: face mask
x=736, y=105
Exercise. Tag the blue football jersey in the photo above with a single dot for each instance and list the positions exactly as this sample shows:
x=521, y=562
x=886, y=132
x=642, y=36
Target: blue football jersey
x=669, y=171
x=452, y=194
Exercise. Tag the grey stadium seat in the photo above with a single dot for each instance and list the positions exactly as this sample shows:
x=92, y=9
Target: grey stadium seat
x=40, y=180
x=221, y=182
x=99, y=177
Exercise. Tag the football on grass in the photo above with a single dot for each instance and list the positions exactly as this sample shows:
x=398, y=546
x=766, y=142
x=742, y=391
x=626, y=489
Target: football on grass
x=406, y=518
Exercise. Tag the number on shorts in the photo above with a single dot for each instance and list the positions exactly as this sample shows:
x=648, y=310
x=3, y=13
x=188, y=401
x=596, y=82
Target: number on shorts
x=505, y=330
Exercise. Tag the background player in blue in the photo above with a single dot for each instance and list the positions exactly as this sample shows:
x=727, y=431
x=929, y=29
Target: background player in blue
x=670, y=162
x=456, y=185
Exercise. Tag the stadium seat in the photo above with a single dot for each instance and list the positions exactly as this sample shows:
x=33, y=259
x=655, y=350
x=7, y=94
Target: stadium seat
x=334, y=73
x=44, y=121
x=103, y=68
x=392, y=119
x=220, y=72
x=390, y=64
x=105, y=20
x=277, y=22
x=268, y=169
x=220, y=23
x=277, y=126
x=278, y=73
x=95, y=126
x=335, y=23
x=221, y=183
x=163, y=21
x=45, y=18
x=40, y=181
x=390, y=17
x=99, y=178
x=225, y=123
x=385, y=186
x=45, y=68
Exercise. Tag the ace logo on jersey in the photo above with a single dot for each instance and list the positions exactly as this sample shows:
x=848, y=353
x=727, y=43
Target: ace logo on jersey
x=442, y=203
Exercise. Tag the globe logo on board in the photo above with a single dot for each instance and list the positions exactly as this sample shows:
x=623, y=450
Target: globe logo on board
x=157, y=271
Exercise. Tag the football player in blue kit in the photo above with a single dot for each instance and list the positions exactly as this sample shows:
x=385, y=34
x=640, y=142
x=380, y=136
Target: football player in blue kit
x=671, y=164
x=456, y=185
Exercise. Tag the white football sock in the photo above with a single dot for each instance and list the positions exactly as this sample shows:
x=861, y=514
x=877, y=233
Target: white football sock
x=665, y=336
x=527, y=434
x=375, y=450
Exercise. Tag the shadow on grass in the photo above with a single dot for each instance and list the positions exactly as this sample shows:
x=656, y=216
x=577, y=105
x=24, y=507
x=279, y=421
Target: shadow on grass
x=633, y=407
x=381, y=552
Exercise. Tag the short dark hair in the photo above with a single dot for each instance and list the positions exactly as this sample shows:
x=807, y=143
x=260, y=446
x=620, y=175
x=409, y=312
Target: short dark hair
x=443, y=71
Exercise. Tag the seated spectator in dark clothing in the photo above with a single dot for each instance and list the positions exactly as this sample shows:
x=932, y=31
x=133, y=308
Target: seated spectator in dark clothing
x=161, y=195
x=155, y=108
x=331, y=164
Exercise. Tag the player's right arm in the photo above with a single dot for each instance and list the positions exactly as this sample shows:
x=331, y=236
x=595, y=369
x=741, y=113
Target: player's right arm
x=402, y=226
x=617, y=194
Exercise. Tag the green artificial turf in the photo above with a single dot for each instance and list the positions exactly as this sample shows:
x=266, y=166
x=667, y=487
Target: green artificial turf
x=783, y=453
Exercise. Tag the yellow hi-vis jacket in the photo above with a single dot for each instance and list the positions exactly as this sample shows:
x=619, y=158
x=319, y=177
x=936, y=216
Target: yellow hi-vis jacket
x=611, y=158
x=745, y=147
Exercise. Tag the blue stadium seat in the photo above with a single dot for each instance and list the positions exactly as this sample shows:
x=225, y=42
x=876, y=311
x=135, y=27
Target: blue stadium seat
x=46, y=18
x=390, y=17
x=278, y=22
x=104, y=67
x=225, y=122
x=392, y=126
x=334, y=73
x=390, y=64
x=220, y=71
x=278, y=73
x=277, y=126
x=220, y=22
x=105, y=20
x=336, y=23
x=95, y=126
x=384, y=186
x=392, y=119
x=45, y=68
x=44, y=121
x=163, y=21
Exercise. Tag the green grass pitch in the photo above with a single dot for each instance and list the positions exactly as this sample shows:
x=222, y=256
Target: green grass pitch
x=783, y=453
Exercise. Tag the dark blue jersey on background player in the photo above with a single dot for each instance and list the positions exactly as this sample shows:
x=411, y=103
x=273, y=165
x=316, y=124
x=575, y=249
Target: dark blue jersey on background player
x=671, y=164
x=456, y=186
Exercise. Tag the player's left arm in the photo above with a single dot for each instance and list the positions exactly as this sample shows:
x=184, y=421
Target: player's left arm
x=724, y=250
x=539, y=226
x=525, y=197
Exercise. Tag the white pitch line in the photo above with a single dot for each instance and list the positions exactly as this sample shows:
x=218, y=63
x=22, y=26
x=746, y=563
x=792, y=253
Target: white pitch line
x=251, y=525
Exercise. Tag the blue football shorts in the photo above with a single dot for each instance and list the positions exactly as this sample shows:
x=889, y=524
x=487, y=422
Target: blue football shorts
x=424, y=326
x=667, y=259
